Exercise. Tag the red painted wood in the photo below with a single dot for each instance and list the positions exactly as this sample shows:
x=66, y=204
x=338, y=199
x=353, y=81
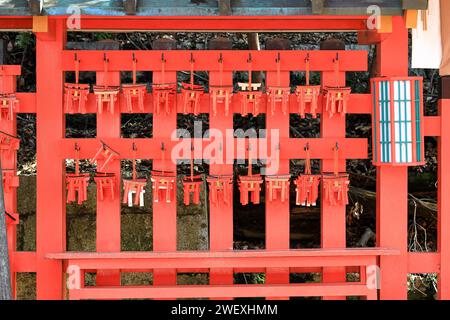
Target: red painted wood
x=27, y=102
x=24, y=261
x=423, y=262
x=333, y=219
x=164, y=214
x=9, y=165
x=221, y=215
x=277, y=212
x=392, y=183
x=293, y=60
x=238, y=291
x=16, y=23
x=443, y=201
x=201, y=23
x=432, y=126
x=321, y=148
x=108, y=209
x=53, y=148
x=50, y=218
x=263, y=254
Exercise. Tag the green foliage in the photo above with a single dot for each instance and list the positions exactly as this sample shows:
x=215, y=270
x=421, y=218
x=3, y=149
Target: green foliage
x=250, y=278
x=103, y=36
x=24, y=40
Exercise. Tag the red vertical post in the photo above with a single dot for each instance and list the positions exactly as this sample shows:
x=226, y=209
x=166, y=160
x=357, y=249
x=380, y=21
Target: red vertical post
x=333, y=218
x=443, y=201
x=164, y=214
x=8, y=86
x=51, y=207
x=108, y=209
x=221, y=215
x=277, y=212
x=392, y=182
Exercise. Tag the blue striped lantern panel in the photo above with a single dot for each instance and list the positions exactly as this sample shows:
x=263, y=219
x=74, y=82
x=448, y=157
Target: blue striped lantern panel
x=397, y=121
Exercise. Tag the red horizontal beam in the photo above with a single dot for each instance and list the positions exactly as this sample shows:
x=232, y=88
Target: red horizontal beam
x=10, y=70
x=291, y=148
x=432, y=126
x=15, y=23
x=224, y=291
x=423, y=262
x=231, y=23
x=27, y=102
x=207, y=60
x=194, y=263
x=231, y=259
x=203, y=23
x=235, y=270
x=348, y=252
x=24, y=261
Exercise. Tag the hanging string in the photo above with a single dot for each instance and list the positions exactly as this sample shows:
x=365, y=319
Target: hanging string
x=336, y=69
x=278, y=61
x=105, y=65
x=163, y=69
x=134, y=162
x=250, y=80
x=192, y=71
x=336, y=159
x=134, y=69
x=163, y=158
x=221, y=69
x=77, y=69
x=249, y=159
x=192, y=162
x=77, y=159
x=307, y=160
x=307, y=69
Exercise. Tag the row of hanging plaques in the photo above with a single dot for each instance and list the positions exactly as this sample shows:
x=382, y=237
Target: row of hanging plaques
x=335, y=185
x=335, y=98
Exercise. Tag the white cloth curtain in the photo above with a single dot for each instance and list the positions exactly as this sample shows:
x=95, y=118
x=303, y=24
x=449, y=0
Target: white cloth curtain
x=426, y=41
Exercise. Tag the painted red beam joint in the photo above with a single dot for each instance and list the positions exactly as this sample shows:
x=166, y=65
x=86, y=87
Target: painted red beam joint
x=432, y=126
x=423, y=262
x=24, y=261
x=27, y=102
x=320, y=148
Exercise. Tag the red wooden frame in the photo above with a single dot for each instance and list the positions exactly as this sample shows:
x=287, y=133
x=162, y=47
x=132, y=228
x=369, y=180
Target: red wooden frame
x=277, y=261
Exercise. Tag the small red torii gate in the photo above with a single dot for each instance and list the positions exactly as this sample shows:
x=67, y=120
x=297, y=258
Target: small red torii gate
x=277, y=261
